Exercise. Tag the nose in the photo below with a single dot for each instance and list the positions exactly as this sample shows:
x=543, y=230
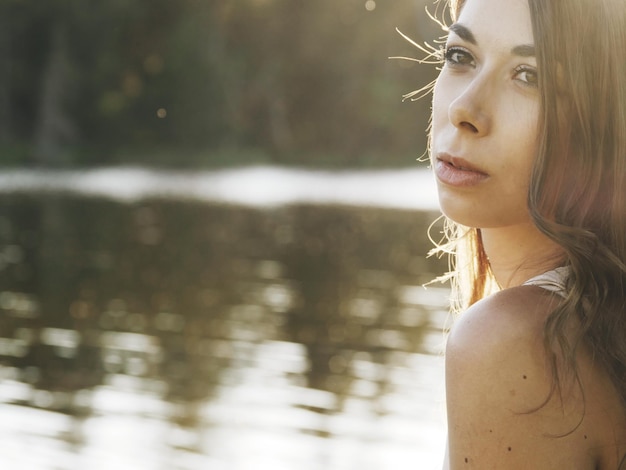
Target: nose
x=469, y=111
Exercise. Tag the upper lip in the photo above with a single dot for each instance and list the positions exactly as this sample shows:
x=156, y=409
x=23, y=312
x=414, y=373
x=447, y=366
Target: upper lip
x=459, y=162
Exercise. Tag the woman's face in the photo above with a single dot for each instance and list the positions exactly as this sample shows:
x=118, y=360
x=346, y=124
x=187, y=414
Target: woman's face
x=485, y=114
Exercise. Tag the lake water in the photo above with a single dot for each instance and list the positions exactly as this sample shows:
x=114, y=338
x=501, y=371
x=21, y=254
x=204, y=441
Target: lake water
x=247, y=319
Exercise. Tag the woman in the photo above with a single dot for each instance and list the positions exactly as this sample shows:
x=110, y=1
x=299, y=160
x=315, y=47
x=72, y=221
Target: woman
x=528, y=145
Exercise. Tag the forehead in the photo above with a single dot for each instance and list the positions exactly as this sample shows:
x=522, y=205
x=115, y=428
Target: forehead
x=504, y=22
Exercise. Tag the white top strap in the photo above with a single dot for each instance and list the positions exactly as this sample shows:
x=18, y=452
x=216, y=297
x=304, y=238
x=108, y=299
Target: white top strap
x=553, y=281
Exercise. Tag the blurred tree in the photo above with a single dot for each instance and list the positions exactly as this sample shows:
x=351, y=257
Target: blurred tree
x=192, y=81
x=5, y=70
x=54, y=128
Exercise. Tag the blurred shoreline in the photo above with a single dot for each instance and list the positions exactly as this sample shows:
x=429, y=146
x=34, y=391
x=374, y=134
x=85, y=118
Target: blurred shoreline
x=254, y=186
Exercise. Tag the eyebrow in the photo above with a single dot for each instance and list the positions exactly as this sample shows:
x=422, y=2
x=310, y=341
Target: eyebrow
x=524, y=50
x=463, y=32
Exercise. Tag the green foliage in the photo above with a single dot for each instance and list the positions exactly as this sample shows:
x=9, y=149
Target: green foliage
x=220, y=82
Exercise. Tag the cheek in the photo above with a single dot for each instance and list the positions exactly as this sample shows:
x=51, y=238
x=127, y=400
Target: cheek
x=439, y=103
x=515, y=170
x=528, y=145
x=518, y=136
x=439, y=111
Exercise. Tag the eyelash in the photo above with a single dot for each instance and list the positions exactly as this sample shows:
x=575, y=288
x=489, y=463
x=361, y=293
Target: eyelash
x=529, y=70
x=464, y=58
x=449, y=52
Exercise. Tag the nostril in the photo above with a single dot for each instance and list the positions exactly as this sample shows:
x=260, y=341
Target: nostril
x=469, y=126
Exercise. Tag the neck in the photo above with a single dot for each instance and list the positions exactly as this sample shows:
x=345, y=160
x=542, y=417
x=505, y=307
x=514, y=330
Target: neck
x=518, y=253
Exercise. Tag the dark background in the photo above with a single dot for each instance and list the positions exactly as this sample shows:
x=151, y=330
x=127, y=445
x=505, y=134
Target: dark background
x=207, y=83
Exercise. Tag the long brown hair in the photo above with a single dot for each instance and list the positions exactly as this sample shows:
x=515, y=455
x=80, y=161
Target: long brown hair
x=577, y=194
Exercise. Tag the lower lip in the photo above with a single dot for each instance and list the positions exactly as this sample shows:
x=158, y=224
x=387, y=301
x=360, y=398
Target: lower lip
x=453, y=176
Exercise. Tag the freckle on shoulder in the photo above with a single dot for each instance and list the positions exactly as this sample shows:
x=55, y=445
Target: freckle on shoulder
x=496, y=348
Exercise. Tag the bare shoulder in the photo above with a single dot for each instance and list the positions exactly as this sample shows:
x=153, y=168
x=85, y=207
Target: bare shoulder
x=504, y=333
x=513, y=312
x=501, y=413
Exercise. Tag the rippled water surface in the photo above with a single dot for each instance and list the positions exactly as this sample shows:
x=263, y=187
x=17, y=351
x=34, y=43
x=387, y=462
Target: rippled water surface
x=162, y=333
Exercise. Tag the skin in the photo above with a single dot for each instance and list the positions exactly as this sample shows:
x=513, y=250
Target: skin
x=497, y=383
x=485, y=112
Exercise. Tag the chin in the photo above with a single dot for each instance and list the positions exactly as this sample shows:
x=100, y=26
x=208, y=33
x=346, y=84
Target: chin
x=484, y=219
x=482, y=210
x=460, y=212
x=462, y=219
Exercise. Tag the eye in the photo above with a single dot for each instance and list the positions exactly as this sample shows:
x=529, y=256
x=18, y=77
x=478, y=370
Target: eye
x=458, y=57
x=527, y=75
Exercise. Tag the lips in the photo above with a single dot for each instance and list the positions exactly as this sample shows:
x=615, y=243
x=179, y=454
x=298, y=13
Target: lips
x=456, y=171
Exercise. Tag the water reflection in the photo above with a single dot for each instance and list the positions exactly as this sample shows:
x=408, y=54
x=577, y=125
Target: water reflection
x=182, y=335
